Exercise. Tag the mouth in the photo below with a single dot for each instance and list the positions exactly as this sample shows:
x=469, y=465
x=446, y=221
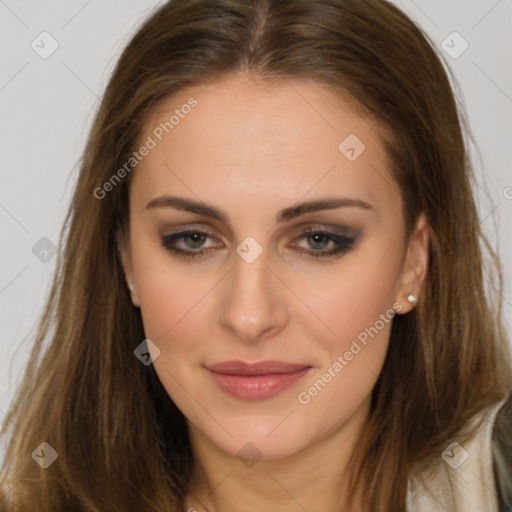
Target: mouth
x=256, y=381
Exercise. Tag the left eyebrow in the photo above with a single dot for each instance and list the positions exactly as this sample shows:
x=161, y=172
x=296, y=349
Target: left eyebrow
x=321, y=204
x=286, y=214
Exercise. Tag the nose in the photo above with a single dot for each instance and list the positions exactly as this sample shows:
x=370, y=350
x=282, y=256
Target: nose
x=254, y=306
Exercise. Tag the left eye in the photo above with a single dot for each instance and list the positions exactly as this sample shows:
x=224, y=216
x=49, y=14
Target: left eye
x=320, y=243
x=319, y=240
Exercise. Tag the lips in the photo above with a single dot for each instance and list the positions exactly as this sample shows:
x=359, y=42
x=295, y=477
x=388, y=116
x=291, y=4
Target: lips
x=256, y=381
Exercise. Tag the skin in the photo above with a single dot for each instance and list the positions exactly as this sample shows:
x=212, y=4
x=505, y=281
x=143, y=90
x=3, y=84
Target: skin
x=252, y=151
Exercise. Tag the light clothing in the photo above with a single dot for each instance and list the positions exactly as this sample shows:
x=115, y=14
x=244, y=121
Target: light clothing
x=463, y=480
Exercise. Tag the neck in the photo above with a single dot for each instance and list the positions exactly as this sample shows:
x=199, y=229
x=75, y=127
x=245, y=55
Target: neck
x=314, y=478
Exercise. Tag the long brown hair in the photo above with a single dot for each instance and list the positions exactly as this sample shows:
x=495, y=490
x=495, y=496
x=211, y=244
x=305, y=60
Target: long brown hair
x=121, y=442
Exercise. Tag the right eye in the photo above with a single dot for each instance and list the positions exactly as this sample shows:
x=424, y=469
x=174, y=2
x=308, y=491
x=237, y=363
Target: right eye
x=187, y=244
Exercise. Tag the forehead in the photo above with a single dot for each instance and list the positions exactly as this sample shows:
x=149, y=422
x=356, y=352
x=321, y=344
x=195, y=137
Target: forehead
x=241, y=139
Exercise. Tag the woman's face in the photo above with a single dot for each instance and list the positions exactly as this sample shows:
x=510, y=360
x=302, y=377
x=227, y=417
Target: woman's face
x=235, y=258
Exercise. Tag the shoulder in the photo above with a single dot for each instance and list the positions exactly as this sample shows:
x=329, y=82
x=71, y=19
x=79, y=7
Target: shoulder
x=460, y=479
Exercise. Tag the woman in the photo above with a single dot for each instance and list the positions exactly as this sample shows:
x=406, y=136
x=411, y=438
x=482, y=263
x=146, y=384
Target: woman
x=284, y=188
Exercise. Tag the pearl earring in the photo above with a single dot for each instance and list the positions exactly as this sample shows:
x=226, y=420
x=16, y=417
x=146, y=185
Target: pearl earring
x=412, y=299
x=129, y=286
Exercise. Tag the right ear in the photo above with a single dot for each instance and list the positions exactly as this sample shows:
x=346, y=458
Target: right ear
x=123, y=249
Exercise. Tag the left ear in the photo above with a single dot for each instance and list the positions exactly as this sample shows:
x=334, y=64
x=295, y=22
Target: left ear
x=414, y=268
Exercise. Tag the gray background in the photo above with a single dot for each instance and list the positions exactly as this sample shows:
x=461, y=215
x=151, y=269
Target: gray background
x=46, y=106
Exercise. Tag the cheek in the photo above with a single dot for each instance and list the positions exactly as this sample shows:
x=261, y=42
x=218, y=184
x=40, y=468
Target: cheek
x=356, y=304
x=160, y=304
x=351, y=296
x=351, y=360
x=167, y=291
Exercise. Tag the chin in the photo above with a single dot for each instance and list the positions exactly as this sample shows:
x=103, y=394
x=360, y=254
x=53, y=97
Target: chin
x=260, y=438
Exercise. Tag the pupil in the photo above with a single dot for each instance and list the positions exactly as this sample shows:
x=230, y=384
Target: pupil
x=196, y=238
x=318, y=238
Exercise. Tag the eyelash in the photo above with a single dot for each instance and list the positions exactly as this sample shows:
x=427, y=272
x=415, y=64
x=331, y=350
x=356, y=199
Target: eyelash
x=343, y=244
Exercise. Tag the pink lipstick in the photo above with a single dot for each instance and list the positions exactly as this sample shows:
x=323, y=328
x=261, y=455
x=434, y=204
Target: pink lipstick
x=256, y=381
